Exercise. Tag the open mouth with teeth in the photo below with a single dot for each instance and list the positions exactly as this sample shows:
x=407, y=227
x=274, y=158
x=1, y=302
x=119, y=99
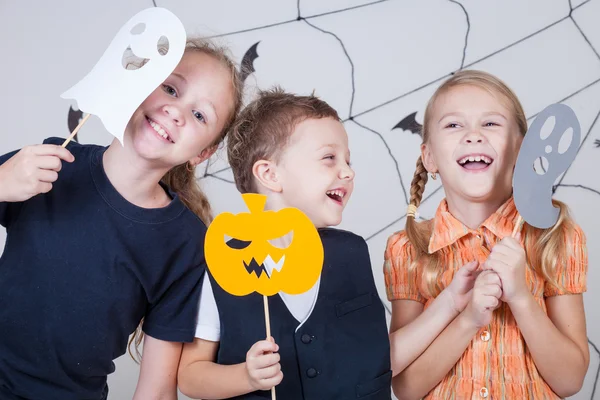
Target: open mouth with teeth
x=159, y=129
x=336, y=195
x=475, y=162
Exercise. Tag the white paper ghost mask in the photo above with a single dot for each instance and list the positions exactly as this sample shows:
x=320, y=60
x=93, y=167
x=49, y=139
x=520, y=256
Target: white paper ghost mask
x=112, y=92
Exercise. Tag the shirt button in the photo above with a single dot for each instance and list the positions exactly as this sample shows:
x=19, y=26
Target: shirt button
x=485, y=336
x=306, y=339
x=311, y=372
x=483, y=392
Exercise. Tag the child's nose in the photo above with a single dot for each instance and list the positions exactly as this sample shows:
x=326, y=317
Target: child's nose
x=347, y=172
x=173, y=113
x=474, y=136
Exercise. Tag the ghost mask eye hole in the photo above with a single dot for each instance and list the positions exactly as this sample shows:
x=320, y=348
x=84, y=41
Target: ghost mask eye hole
x=280, y=243
x=236, y=244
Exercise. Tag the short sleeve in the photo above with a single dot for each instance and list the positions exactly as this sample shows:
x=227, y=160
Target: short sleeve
x=399, y=283
x=208, y=326
x=172, y=316
x=571, y=270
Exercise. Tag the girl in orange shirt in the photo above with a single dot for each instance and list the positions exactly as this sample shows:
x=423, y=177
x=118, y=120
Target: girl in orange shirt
x=521, y=332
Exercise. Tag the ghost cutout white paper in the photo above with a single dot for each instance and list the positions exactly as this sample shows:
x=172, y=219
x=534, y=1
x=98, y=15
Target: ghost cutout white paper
x=112, y=92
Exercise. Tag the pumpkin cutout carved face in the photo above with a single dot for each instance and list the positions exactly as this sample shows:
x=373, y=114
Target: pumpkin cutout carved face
x=239, y=269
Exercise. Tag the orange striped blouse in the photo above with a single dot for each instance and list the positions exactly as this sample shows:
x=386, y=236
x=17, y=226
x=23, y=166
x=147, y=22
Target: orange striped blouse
x=497, y=363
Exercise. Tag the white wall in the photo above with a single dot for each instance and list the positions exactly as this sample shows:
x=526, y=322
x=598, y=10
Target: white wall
x=376, y=63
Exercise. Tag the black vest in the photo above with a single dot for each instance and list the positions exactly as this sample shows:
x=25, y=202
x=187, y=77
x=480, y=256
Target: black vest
x=341, y=352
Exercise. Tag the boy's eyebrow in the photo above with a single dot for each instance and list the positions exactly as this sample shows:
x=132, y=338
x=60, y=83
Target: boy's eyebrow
x=181, y=77
x=328, y=145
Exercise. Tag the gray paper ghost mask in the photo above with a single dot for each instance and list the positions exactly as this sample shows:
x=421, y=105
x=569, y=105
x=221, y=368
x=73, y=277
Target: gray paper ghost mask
x=532, y=190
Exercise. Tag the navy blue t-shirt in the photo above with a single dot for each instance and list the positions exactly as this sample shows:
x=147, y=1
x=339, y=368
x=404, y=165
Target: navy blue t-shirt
x=81, y=267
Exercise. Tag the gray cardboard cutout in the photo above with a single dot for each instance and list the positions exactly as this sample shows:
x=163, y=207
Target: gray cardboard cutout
x=532, y=191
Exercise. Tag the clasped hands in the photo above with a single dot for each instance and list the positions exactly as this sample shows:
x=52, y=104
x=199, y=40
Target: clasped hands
x=501, y=278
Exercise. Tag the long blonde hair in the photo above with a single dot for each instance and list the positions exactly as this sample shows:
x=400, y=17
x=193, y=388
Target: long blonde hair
x=544, y=247
x=182, y=178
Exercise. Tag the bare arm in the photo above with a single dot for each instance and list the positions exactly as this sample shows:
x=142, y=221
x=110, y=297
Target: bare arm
x=200, y=377
x=439, y=358
x=557, y=341
x=413, y=330
x=158, y=372
x=434, y=363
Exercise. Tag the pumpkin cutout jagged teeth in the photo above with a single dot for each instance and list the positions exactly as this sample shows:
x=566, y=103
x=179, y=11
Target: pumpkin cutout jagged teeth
x=237, y=270
x=276, y=265
x=255, y=267
x=258, y=269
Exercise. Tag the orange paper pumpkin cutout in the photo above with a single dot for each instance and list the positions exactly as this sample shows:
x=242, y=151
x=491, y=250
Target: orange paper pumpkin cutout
x=241, y=271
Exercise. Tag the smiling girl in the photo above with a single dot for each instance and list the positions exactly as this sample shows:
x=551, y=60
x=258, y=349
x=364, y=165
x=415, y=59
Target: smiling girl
x=522, y=333
x=111, y=236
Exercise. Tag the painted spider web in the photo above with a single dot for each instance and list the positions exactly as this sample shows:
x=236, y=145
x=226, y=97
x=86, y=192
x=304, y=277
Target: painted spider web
x=372, y=62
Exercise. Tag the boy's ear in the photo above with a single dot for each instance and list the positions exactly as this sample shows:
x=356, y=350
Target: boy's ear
x=204, y=155
x=427, y=158
x=265, y=173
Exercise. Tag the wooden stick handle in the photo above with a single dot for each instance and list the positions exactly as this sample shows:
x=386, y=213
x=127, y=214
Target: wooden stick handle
x=518, y=226
x=268, y=326
x=76, y=130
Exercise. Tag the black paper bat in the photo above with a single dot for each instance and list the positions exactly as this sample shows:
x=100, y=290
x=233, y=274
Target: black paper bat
x=597, y=142
x=256, y=268
x=73, y=120
x=248, y=61
x=409, y=123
